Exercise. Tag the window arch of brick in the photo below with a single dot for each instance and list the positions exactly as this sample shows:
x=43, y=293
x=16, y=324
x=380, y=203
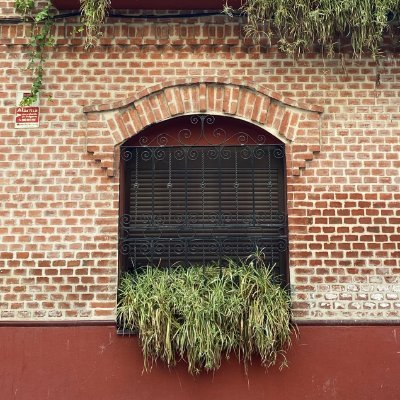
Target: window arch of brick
x=296, y=123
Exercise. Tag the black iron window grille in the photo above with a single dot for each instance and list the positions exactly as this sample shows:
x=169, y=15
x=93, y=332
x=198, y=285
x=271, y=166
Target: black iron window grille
x=202, y=195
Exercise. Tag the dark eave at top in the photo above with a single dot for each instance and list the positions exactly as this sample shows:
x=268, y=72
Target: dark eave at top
x=154, y=4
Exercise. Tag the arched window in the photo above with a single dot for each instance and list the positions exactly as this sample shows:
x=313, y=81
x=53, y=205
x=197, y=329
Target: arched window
x=200, y=188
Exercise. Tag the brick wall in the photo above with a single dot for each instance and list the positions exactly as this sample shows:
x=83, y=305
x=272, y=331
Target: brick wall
x=59, y=183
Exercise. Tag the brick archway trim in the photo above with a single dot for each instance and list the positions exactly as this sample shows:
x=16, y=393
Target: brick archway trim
x=296, y=123
x=240, y=83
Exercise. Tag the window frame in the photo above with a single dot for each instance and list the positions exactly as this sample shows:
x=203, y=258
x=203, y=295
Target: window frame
x=156, y=137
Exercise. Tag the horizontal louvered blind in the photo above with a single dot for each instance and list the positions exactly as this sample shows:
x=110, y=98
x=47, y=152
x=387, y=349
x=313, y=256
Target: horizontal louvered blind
x=200, y=204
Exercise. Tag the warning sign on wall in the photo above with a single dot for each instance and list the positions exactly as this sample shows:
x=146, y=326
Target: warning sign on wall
x=26, y=117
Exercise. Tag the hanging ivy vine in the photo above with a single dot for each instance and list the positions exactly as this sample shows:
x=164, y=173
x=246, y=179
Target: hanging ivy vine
x=42, y=19
x=296, y=25
x=93, y=13
x=41, y=37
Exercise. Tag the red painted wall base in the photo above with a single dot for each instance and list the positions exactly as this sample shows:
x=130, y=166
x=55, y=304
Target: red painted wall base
x=359, y=362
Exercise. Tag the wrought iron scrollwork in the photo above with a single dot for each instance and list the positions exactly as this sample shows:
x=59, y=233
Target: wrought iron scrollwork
x=211, y=248
x=279, y=152
x=126, y=154
x=208, y=137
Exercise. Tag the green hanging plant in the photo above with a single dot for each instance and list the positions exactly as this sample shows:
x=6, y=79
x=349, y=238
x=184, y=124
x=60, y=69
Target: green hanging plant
x=42, y=19
x=93, y=13
x=41, y=37
x=201, y=313
x=299, y=24
x=24, y=6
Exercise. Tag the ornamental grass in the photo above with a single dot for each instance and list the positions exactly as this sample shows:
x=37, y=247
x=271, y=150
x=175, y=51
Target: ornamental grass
x=201, y=314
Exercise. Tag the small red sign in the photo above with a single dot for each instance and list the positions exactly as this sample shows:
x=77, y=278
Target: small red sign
x=26, y=117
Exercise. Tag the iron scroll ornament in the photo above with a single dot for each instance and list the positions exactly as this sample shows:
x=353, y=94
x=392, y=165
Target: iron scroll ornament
x=245, y=152
x=207, y=137
x=167, y=252
x=151, y=246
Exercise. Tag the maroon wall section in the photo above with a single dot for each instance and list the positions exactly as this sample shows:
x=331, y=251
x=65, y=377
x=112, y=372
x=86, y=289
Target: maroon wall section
x=359, y=362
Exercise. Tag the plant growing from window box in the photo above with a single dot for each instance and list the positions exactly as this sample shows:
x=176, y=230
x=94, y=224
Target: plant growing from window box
x=201, y=313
